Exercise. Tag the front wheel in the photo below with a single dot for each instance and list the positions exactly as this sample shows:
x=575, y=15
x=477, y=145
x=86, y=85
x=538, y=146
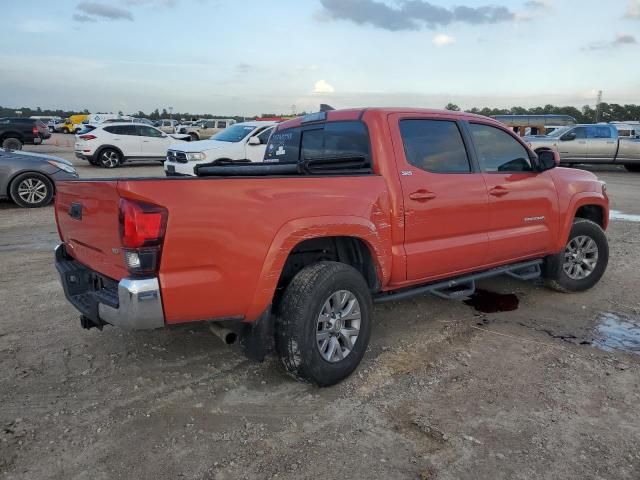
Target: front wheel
x=632, y=167
x=582, y=262
x=109, y=158
x=324, y=323
x=31, y=190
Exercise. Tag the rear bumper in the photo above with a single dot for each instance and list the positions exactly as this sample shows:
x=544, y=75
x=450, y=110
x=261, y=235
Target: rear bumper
x=131, y=304
x=83, y=156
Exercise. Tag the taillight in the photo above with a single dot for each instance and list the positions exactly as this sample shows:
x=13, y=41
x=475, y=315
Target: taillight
x=142, y=229
x=35, y=131
x=87, y=137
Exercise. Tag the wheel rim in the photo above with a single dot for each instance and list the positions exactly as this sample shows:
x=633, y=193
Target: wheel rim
x=109, y=159
x=580, y=257
x=32, y=190
x=338, y=326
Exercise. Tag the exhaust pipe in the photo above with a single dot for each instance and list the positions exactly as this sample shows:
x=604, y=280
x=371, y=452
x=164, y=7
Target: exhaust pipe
x=227, y=336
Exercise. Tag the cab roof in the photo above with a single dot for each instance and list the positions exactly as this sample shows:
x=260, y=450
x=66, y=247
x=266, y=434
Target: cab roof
x=352, y=114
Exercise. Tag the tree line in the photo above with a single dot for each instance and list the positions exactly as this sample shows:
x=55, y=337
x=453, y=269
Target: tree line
x=607, y=112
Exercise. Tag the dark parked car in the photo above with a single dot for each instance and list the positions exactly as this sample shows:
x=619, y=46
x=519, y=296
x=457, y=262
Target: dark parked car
x=16, y=131
x=29, y=178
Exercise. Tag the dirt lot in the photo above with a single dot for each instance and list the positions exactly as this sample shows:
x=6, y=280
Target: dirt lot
x=445, y=392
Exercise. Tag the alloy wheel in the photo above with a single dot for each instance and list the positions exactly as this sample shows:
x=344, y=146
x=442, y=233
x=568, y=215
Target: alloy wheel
x=338, y=326
x=580, y=257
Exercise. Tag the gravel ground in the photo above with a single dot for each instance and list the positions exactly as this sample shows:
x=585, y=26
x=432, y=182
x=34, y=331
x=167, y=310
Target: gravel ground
x=444, y=392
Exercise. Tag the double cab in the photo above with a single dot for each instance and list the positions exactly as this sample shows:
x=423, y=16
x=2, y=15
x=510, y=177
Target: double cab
x=348, y=208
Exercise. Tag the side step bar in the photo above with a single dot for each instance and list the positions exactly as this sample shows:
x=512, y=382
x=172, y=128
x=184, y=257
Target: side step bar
x=463, y=287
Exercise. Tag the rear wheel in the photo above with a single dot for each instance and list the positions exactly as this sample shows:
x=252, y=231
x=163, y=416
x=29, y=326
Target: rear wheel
x=65, y=130
x=12, y=143
x=194, y=137
x=582, y=262
x=31, y=190
x=632, y=167
x=324, y=323
x=109, y=158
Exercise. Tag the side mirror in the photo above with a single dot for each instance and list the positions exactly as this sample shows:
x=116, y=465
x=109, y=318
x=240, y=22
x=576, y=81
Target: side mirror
x=548, y=159
x=568, y=137
x=254, y=141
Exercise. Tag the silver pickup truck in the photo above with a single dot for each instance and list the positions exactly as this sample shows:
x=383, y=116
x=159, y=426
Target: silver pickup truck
x=597, y=143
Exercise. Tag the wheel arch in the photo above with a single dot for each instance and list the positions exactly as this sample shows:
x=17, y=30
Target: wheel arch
x=11, y=134
x=352, y=240
x=102, y=148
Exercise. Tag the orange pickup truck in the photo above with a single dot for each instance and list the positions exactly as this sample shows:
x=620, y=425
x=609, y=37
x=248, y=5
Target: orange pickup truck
x=349, y=207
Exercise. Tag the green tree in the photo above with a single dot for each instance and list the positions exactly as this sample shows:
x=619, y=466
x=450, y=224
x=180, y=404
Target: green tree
x=450, y=106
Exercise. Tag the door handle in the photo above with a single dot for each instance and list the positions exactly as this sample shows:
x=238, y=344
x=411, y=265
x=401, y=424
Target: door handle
x=422, y=195
x=498, y=191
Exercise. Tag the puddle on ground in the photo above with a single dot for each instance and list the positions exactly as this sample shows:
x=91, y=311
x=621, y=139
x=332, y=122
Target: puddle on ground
x=625, y=217
x=616, y=331
x=490, y=302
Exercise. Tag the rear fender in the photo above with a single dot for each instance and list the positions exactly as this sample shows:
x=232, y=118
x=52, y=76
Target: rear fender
x=376, y=237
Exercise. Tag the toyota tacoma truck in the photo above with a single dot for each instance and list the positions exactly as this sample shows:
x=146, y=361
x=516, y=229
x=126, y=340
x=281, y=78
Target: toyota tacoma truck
x=597, y=143
x=349, y=207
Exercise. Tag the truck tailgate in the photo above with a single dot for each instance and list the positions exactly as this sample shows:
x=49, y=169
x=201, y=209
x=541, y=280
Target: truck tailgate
x=87, y=213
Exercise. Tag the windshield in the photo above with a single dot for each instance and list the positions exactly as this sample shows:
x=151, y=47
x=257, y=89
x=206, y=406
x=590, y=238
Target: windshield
x=234, y=134
x=559, y=132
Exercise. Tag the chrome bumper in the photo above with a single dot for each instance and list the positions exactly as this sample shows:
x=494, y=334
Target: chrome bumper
x=131, y=304
x=139, y=305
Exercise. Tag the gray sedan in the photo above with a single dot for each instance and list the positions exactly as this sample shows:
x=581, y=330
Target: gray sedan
x=29, y=178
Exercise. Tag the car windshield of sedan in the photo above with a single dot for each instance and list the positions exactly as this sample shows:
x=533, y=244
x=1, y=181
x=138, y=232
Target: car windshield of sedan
x=234, y=134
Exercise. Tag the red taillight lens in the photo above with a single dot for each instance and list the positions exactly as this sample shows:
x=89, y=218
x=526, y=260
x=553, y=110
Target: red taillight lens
x=35, y=131
x=141, y=224
x=88, y=137
x=142, y=229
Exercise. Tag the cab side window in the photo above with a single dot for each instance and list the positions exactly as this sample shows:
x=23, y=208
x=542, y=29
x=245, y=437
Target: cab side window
x=434, y=146
x=598, y=131
x=498, y=151
x=222, y=124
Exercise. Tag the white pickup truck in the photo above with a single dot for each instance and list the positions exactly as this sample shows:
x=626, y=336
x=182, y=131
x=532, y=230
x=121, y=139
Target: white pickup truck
x=242, y=142
x=595, y=143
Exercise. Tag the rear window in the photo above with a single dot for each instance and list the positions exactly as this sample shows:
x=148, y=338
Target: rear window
x=328, y=141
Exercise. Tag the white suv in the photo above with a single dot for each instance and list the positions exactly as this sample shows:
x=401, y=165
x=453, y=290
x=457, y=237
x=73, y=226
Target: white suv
x=110, y=144
x=240, y=142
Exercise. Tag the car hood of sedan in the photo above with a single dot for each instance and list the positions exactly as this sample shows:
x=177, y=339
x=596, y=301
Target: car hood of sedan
x=22, y=155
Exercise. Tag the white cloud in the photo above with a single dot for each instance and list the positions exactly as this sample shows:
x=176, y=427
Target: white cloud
x=633, y=10
x=322, y=86
x=442, y=40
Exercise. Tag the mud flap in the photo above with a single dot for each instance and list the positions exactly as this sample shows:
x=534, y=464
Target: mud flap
x=257, y=337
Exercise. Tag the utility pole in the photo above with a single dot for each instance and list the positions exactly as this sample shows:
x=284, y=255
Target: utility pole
x=170, y=113
x=598, y=102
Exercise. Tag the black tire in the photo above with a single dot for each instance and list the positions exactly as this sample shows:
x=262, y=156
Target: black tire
x=298, y=316
x=632, y=167
x=65, y=130
x=109, y=158
x=12, y=143
x=556, y=276
x=31, y=190
x=194, y=137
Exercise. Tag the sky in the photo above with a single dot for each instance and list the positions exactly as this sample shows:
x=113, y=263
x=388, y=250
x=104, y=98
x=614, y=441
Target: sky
x=229, y=57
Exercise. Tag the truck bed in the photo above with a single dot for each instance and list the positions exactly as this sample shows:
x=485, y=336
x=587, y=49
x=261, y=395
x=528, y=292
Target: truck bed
x=219, y=230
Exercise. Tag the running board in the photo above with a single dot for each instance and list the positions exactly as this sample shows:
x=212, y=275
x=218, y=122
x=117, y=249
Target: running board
x=463, y=287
